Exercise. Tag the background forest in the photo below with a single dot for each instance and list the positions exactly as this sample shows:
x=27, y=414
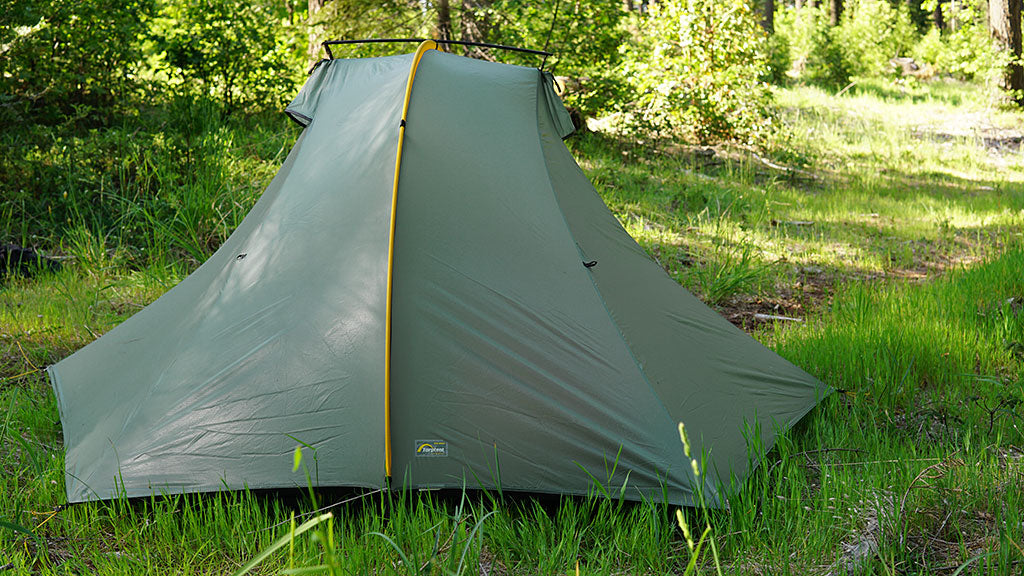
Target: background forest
x=696, y=67
x=842, y=179
x=700, y=71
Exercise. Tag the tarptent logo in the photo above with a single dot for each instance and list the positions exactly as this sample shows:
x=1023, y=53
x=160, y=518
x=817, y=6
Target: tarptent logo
x=431, y=448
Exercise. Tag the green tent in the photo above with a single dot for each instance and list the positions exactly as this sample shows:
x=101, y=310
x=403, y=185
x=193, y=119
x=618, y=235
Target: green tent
x=493, y=326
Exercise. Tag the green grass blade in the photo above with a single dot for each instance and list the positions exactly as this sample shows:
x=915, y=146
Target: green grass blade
x=281, y=542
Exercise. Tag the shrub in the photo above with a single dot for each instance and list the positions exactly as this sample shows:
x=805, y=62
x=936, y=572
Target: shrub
x=59, y=55
x=236, y=52
x=780, y=59
x=967, y=52
x=817, y=54
x=871, y=32
x=584, y=41
x=700, y=69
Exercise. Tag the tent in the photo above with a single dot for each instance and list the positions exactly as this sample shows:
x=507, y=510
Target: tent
x=429, y=294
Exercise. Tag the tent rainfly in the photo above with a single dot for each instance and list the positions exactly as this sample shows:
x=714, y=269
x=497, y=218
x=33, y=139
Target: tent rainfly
x=430, y=294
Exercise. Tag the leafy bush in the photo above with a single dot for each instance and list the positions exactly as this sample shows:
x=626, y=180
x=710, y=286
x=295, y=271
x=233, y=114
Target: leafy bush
x=817, y=55
x=236, y=52
x=871, y=32
x=584, y=40
x=699, y=68
x=967, y=52
x=56, y=55
x=780, y=58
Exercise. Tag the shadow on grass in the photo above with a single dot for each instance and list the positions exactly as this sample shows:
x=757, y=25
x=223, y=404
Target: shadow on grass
x=689, y=205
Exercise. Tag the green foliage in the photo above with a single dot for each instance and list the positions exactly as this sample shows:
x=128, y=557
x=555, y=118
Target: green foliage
x=57, y=56
x=699, y=68
x=816, y=52
x=90, y=60
x=162, y=187
x=780, y=58
x=585, y=41
x=870, y=32
x=232, y=50
x=966, y=52
x=356, y=19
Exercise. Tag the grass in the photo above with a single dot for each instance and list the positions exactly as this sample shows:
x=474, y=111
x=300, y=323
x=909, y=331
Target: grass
x=888, y=219
x=165, y=188
x=886, y=181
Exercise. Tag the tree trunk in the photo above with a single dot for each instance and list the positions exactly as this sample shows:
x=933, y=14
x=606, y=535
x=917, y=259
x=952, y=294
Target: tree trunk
x=1004, y=23
x=444, y=22
x=917, y=14
x=835, y=10
x=315, y=30
x=768, y=20
x=937, y=19
x=473, y=27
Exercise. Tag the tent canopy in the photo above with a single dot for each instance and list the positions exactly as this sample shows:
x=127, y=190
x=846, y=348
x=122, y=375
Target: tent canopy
x=533, y=343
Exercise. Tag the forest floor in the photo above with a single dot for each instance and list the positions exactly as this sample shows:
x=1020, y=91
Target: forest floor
x=876, y=242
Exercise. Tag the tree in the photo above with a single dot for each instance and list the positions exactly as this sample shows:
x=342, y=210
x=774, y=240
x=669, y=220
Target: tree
x=937, y=19
x=443, y=30
x=360, y=19
x=768, y=18
x=315, y=29
x=835, y=10
x=55, y=54
x=585, y=39
x=231, y=50
x=474, y=25
x=1004, y=23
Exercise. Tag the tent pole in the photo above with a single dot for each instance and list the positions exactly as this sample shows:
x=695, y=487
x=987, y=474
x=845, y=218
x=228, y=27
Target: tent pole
x=424, y=46
x=327, y=44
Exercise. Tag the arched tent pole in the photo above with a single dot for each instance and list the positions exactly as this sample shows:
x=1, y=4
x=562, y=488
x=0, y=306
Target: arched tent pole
x=424, y=46
x=327, y=45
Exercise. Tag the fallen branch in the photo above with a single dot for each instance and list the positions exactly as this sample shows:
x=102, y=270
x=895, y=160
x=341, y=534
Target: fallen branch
x=848, y=86
x=793, y=222
x=698, y=175
x=770, y=317
x=786, y=169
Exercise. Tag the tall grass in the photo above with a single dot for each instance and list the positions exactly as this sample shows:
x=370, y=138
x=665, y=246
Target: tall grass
x=168, y=186
x=917, y=460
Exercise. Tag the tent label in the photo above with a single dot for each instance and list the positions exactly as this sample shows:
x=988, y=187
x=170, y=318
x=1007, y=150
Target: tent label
x=431, y=448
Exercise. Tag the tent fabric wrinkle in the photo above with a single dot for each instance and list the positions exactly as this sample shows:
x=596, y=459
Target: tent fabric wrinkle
x=557, y=113
x=513, y=363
